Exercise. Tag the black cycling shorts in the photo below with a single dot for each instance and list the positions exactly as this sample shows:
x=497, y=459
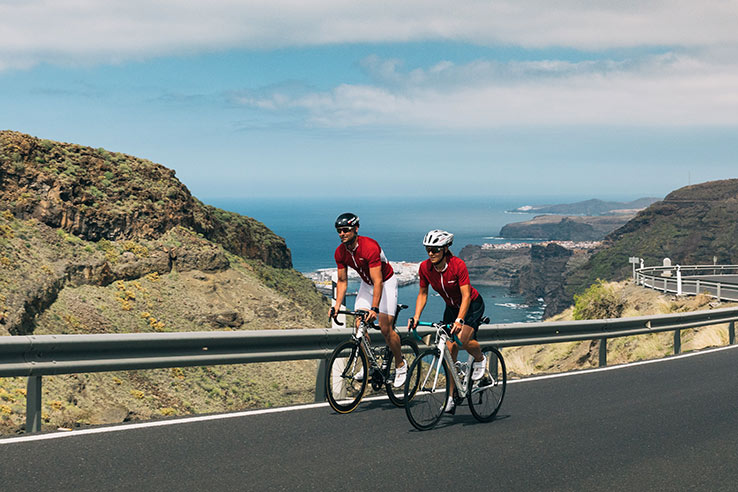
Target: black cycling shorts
x=473, y=317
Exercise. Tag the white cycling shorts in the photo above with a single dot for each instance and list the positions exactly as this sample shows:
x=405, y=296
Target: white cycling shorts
x=388, y=302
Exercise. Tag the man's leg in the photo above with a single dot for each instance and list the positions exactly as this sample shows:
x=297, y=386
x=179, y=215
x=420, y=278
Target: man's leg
x=391, y=337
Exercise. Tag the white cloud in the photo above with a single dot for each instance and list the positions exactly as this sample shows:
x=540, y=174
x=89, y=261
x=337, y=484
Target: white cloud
x=695, y=85
x=666, y=90
x=90, y=31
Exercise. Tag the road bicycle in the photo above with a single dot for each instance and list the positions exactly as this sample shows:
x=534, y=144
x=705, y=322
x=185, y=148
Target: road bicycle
x=357, y=356
x=435, y=368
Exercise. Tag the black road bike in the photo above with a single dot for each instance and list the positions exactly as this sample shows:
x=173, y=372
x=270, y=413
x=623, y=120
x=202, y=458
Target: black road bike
x=356, y=364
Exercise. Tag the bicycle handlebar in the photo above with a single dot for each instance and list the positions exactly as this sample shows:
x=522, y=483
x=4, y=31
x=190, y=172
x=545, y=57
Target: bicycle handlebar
x=437, y=326
x=361, y=313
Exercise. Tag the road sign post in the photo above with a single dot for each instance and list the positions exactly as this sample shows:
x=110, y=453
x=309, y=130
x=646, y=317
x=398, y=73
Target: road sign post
x=633, y=260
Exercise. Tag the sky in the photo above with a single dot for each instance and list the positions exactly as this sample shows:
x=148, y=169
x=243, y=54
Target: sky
x=277, y=98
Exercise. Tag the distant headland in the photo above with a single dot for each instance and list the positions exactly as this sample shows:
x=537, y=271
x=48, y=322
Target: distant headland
x=588, y=207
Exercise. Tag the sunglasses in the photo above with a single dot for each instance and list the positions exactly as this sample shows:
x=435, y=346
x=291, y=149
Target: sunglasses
x=344, y=229
x=434, y=249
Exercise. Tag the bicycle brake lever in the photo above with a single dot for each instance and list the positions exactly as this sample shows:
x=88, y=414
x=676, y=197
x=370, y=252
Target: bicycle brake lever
x=458, y=342
x=415, y=334
x=454, y=337
x=334, y=317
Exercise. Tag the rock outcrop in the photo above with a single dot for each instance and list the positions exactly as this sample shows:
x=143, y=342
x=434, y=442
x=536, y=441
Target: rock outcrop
x=72, y=216
x=494, y=266
x=543, y=277
x=95, y=194
x=565, y=228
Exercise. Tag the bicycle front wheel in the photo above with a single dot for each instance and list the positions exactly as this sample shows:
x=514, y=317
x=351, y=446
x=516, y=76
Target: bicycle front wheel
x=425, y=408
x=486, y=395
x=343, y=390
x=409, y=352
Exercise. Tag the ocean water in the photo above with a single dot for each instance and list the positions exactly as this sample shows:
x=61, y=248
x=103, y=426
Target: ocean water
x=399, y=226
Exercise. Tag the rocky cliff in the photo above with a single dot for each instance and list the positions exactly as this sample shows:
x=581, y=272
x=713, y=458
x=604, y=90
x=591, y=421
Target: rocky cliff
x=565, y=228
x=535, y=271
x=95, y=194
x=494, y=266
x=543, y=277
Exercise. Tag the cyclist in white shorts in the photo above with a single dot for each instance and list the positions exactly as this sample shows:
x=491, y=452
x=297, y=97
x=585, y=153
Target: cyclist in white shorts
x=378, y=290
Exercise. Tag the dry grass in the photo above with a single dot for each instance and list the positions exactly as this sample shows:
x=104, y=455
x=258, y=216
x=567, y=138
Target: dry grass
x=560, y=357
x=75, y=400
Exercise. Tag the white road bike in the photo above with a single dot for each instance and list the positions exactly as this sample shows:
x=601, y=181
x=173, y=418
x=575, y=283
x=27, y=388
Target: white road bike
x=434, y=369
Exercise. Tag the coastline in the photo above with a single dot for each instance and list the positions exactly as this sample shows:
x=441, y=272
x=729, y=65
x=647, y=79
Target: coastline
x=405, y=271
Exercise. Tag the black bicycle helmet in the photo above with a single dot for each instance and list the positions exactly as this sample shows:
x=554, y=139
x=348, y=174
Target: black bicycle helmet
x=347, y=220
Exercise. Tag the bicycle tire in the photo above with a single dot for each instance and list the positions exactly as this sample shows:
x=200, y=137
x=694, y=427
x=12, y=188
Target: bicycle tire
x=426, y=407
x=486, y=395
x=410, y=352
x=342, y=391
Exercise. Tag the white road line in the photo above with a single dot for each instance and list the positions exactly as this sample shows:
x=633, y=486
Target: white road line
x=622, y=366
x=247, y=413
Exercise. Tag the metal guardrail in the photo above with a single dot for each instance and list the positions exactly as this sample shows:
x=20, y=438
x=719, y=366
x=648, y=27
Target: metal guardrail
x=690, y=280
x=37, y=356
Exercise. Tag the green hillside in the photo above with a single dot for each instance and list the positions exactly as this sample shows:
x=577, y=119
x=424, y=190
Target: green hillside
x=692, y=225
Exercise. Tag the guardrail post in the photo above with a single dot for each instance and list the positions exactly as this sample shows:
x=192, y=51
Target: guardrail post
x=33, y=404
x=677, y=342
x=603, y=352
x=731, y=333
x=320, y=381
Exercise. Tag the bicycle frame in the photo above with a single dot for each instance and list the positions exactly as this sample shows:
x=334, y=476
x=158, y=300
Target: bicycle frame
x=441, y=338
x=360, y=336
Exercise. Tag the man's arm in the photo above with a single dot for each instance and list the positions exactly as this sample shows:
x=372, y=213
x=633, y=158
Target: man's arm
x=376, y=275
x=341, y=287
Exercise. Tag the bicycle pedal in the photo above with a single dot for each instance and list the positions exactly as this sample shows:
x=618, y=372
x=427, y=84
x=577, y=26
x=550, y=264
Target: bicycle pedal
x=485, y=381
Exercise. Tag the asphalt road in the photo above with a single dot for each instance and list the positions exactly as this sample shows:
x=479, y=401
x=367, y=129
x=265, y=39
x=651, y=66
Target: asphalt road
x=671, y=425
x=729, y=285
x=723, y=279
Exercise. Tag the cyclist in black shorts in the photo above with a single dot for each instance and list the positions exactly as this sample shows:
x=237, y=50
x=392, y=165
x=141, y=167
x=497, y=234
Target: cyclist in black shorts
x=448, y=276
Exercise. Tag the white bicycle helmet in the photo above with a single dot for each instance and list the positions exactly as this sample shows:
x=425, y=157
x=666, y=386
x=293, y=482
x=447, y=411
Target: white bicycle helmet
x=437, y=237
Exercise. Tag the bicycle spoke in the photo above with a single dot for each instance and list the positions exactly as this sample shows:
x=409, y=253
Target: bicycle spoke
x=343, y=390
x=487, y=394
x=425, y=409
x=397, y=395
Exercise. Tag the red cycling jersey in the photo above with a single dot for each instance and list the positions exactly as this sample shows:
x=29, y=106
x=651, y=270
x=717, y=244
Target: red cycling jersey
x=448, y=281
x=367, y=254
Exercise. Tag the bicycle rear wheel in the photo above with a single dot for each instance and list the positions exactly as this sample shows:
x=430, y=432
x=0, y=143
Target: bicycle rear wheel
x=486, y=395
x=410, y=352
x=425, y=408
x=342, y=389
